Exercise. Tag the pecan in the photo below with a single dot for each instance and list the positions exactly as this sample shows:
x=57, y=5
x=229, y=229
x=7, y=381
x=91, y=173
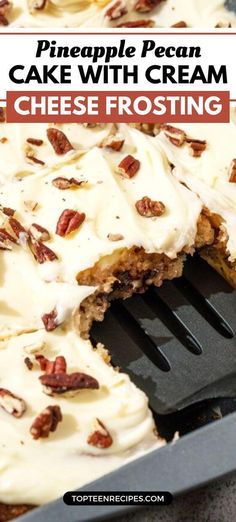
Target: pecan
x=19, y=231
x=115, y=237
x=138, y=23
x=5, y=6
x=69, y=221
x=117, y=10
x=39, y=233
x=35, y=141
x=3, y=20
x=6, y=239
x=145, y=6
x=232, y=171
x=65, y=183
x=101, y=438
x=59, y=141
x=12, y=403
x=32, y=159
x=8, y=211
x=50, y=320
x=180, y=24
x=57, y=366
x=148, y=208
x=128, y=167
x=175, y=136
x=36, y=5
x=28, y=363
x=46, y=421
x=3, y=140
x=114, y=142
x=41, y=252
x=2, y=112
x=197, y=147
x=64, y=382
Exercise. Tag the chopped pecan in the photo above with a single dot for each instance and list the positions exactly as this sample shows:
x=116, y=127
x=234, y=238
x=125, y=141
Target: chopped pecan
x=50, y=320
x=128, y=167
x=65, y=183
x=197, y=147
x=45, y=422
x=69, y=221
x=3, y=140
x=36, y=5
x=28, y=363
x=117, y=10
x=3, y=20
x=35, y=141
x=59, y=141
x=115, y=237
x=39, y=233
x=180, y=24
x=57, y=366
x=6, y=239
x=8, y=211
x=2, y=112
x=145, y=6
x=232, y=171
x=114, y=142
x=138, y=23
x=12, y=403
x=148, y=208
x=101, y=438
x=41, y=252
x=5, y=6
x=32, y=159
x=222, y=25
x=175, y=136
x=19, y=231
x=63, y=382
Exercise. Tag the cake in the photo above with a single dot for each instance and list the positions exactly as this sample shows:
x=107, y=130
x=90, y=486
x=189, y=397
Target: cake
x=118, y=13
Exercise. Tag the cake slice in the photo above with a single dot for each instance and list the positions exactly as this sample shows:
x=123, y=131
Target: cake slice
x=203, y=159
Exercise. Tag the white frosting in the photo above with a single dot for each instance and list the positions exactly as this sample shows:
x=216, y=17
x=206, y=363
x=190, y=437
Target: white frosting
x=208, y=176
x=37, y=471
x=74, y=13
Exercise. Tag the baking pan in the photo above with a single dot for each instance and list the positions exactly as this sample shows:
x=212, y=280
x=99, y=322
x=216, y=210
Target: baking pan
x=200, y=351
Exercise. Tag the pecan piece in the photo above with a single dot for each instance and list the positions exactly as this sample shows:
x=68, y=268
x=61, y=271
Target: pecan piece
x=19, y=231
x=50, y=320
x=59, y=141
x=69, y=221
x=138, y=23
x=32, y=159
x=6, y=239
x=5, y=6
x=180, y=24
x=115, y=237
x=117, y=10
x=114, y=142
x=28, y=363
x=35, y=141
x=175, y=136
x=2, y=112
x=232, y=171
x=145, y=6
x=36, y=5
x=57, y=366
x=101, y=438
x=39, y=233
x=197, y=147
x=8, y=211
x=45, y=422
x=65, y=183
x=64, y=382
x=41, y=252
x=128, y=167
x=12, y=403
x=148, y=208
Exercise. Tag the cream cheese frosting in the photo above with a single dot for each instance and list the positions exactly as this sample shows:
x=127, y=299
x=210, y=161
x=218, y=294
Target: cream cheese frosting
x=208, y=175
x=37, y=471
x=92, y=13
